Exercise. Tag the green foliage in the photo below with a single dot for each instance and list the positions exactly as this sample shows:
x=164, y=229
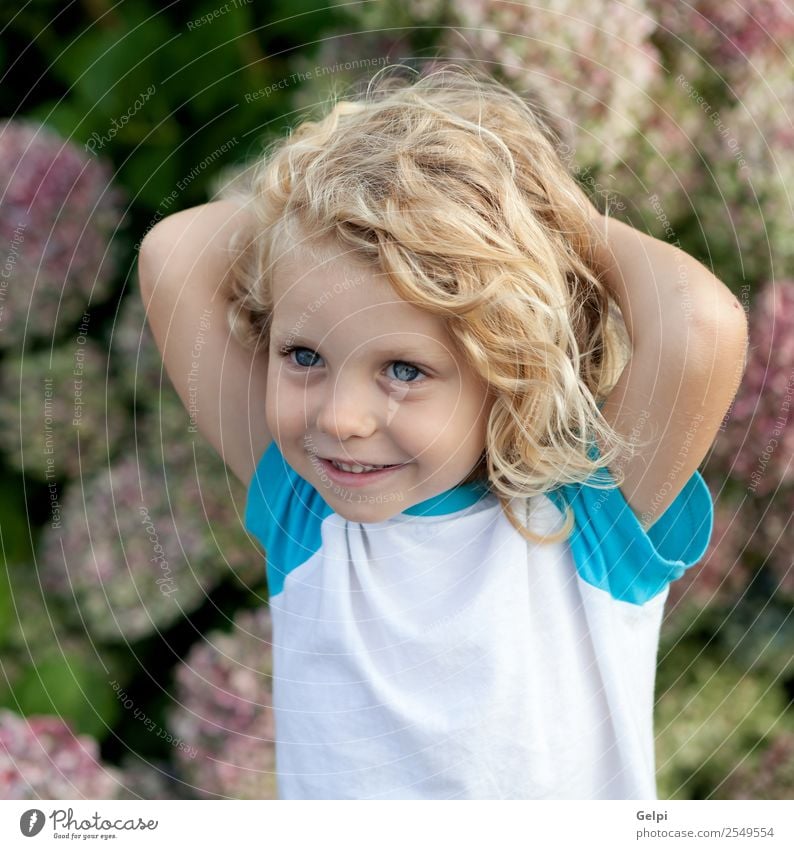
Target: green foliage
x=713, y=716
x=158, y=91
x=72, y=685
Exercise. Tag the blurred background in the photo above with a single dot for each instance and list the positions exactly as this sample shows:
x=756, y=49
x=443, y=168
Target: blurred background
x=133, y=607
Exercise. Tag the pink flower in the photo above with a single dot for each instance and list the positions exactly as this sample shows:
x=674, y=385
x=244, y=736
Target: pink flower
x=728, y=34
x=42, y=758
x=57, y=218
x=756, y=445
x=225, y=715
x=142, y=541
x=60, y=416
x=593, y=64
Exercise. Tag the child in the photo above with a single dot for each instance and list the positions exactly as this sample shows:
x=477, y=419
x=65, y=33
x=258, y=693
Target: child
x=472, y=511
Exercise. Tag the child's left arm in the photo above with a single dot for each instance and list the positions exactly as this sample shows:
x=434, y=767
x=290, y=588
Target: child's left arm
x=689, y=342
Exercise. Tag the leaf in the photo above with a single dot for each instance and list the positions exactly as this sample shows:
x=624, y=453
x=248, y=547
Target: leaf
x=107, y=69
x=70, y=686
x=152, y=173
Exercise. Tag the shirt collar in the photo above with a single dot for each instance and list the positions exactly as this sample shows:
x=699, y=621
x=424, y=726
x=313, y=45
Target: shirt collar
x=454, y=499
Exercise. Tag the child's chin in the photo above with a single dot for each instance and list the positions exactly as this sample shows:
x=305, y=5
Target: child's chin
x=370, y=508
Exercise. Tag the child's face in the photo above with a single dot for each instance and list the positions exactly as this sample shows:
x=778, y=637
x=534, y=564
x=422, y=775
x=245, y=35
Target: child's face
x=370, y=379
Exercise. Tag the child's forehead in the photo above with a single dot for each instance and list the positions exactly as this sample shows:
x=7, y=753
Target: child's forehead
x=325, y=278
x=311, y=263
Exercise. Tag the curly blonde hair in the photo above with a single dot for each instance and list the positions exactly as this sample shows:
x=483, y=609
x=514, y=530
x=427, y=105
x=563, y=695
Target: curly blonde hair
x=453, y=186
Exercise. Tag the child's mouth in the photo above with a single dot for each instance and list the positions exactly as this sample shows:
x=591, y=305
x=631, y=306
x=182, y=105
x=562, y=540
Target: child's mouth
x=353, y=478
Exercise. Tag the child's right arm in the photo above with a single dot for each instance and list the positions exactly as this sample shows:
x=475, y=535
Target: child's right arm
x=182, y=268
x=689, y=343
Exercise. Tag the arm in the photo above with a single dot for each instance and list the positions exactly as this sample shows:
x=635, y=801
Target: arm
x=182, y=266
x=689, y=340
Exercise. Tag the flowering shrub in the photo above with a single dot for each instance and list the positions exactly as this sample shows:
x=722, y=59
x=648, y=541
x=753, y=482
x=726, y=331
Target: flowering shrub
x=60, y=416
x=46, y=667
x=720, y=578
x=727, y=36
x=134, y=356
x=674, y=115
x=589, y=66
x=752, y=148
x=593, y=64
x=142, y=542
x=224, y=695
x=772, y=778
x=757, y=446
x=42, y=758
x=654, y=185
x=58, y=214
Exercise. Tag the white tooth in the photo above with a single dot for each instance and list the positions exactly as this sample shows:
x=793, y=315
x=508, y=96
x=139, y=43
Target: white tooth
x=355, y=468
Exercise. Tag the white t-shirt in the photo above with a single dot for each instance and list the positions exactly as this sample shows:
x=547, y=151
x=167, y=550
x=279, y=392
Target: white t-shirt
x=438, y=655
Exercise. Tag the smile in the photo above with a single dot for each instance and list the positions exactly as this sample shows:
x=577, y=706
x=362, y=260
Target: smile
x=355, y=475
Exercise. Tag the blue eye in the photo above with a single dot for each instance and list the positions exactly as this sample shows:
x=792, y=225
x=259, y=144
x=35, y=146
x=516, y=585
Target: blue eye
x=405, y=371
x=306, y=358
x=300, y=359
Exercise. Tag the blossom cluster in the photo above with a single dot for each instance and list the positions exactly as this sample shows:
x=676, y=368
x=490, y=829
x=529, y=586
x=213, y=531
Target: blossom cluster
x=60, y=415
x=756, y=445
x=42, y=758
x=144, y=540
x=592, y=63
x=134, y=356
x=728, y=35
x=59, y=213
x=224, y=711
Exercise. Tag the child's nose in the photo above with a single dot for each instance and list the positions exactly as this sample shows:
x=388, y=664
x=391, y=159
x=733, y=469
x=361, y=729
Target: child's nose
x=346, y=411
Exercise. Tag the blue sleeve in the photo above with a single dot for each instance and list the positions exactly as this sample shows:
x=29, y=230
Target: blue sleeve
x=285, y=514
x=614, y=552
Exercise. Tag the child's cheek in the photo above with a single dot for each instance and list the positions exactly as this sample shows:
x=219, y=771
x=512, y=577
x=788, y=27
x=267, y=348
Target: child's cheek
x=279, y=401
x=287, y=406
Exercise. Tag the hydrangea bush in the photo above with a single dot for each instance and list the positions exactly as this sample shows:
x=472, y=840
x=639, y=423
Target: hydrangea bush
x=224, y=711
x=60, y=414
x=757, y=445
x=749, y=148
x=594, y=64
x=47, y=667
x=42, y=758
x=726, y=36
x=134, y=356
x=655, y=183
x=57, y=219
x=143, y=541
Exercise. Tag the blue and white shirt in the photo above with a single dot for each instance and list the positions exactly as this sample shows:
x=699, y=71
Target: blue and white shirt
x=439, y=655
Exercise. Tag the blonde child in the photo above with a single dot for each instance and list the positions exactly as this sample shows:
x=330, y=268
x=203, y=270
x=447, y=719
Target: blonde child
x=416, y=282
